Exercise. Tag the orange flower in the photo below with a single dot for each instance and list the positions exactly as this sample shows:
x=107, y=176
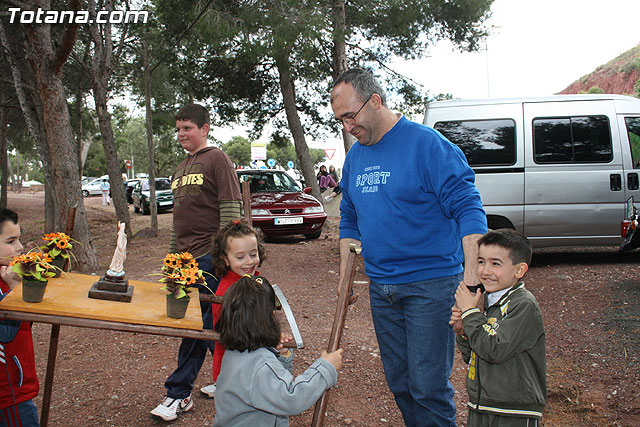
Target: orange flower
x=190, y=265
x=170, y=260
x=186, y=256
x=190, y=280
x=180, y=271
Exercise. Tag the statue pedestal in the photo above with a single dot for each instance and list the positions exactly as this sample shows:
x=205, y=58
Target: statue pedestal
x=112, y=288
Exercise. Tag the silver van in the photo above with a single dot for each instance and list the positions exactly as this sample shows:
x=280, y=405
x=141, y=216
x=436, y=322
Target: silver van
x=558, y=169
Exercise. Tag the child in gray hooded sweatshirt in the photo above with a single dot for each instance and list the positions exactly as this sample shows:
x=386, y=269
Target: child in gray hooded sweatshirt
x=254, y=388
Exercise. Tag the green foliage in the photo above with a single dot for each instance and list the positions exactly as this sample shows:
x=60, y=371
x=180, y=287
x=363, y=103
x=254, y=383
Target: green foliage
x=637, y=85
x=238, y=149
x=595, y=90
x=229, y=56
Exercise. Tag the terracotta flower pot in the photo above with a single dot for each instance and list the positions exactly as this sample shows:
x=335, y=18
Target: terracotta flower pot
x=177, y=308
x=33, y=290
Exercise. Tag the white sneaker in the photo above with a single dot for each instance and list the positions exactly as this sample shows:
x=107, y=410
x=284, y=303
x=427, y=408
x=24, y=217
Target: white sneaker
x=328, y=198
x=209, y=390
x=170, y=408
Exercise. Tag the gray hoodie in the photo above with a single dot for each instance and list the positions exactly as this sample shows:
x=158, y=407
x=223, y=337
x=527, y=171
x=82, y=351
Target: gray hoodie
x=254, y=389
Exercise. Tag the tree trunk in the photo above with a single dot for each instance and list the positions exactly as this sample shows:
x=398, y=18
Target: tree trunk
x=339, y=53
x=31, y=106
x=79, y=131
x=113, y=163
x=101, y=70
x=10, y=173
x=150, y=149
x=84, y=146
x=287, y=87
x=4, y=128
x=18, y=176
x=47, y=64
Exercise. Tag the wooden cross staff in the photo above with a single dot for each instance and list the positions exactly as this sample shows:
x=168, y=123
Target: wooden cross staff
x=345, y=288
x=246, y=202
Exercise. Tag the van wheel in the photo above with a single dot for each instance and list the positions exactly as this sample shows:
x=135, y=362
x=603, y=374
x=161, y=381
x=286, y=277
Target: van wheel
x=85, y=193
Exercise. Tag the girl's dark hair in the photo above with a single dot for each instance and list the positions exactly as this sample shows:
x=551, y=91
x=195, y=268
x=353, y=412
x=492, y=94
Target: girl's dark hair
x=247, y=321
x=233, y=229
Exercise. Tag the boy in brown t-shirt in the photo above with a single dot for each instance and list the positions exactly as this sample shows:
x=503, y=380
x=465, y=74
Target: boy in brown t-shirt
x=206, y=194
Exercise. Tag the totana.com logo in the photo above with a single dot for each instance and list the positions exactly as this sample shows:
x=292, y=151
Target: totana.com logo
x=40, y=16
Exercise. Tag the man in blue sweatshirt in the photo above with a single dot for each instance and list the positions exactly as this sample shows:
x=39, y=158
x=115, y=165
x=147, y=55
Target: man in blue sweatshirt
x=410, y=201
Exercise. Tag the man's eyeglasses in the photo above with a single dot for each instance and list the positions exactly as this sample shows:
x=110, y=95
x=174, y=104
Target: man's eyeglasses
x=349, y=119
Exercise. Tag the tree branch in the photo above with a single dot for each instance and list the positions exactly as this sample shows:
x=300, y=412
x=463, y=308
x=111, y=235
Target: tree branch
x=383, y=65
x=68, y=40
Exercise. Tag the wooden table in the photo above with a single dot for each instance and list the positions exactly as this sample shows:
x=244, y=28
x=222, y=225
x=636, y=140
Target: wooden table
x=66, y=302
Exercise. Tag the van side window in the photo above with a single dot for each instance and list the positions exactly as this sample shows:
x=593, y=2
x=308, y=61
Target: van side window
x=585, y=139
x=483, y=142
x=633, y=129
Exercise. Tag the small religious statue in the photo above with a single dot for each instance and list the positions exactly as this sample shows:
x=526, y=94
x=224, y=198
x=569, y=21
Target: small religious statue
x=116, y=269
x=113, y=286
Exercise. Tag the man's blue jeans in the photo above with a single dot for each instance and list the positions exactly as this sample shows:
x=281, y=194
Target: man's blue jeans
x=411, y=321
x=192, y=352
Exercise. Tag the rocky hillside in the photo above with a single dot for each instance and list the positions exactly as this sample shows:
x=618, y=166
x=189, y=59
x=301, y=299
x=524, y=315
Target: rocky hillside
x=617, y=76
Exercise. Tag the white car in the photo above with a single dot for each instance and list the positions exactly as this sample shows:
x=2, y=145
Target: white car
x=93, y=187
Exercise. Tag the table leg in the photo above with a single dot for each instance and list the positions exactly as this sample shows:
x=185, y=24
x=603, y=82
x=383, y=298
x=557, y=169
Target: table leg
x=48, y=382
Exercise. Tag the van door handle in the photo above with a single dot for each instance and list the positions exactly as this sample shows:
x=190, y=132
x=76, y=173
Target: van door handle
x=615, y=182
x=632, y=181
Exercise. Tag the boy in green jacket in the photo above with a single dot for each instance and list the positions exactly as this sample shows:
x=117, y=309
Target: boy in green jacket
x=504, y=344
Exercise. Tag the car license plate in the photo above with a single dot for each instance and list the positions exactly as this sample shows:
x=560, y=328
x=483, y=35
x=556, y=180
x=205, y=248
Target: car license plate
x=164, y=203
x=289, y=220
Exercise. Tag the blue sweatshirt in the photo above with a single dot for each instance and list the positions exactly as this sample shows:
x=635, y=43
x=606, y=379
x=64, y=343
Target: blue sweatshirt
x=410, y=199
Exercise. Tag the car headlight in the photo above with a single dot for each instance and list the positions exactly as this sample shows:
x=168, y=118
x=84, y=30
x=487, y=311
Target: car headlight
x=314, y=209
x=259, y=212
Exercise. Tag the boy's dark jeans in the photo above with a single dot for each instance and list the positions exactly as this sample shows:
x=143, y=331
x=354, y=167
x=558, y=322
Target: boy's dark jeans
x=192, y=352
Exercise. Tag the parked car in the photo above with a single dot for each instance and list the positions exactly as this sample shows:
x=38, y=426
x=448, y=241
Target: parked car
x=87, y=179
x=93, y=188
x=141, y=195
x=129, y=186
x=280, y=207
x=558, y=169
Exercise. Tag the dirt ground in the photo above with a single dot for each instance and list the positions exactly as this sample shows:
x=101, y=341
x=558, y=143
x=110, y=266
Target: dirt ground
x=589, y=300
